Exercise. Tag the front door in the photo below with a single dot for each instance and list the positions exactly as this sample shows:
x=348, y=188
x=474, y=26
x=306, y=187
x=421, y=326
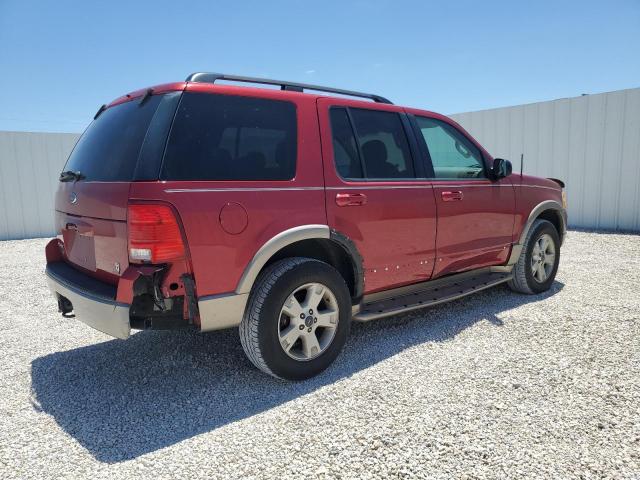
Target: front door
x=475, y=214
x=376, y=191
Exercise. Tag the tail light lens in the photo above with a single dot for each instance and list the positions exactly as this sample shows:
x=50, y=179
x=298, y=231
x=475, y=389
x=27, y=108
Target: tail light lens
x=154, y=234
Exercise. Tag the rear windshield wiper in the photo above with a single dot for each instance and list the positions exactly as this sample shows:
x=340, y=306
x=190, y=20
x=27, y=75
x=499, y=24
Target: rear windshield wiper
x=68, y=176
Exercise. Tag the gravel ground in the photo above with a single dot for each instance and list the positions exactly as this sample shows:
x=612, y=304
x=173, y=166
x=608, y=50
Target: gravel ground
x=497, y=385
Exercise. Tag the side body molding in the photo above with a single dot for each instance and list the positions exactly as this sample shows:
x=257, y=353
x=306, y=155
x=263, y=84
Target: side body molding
x=226, y=310
x=535, y=213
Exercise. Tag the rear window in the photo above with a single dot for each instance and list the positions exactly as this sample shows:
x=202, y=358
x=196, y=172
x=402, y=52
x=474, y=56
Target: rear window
x=225, y=137
x=109, y=148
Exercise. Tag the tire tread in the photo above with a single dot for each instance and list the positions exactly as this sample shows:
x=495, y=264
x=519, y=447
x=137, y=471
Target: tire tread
x=518, y=282
x=250, y=321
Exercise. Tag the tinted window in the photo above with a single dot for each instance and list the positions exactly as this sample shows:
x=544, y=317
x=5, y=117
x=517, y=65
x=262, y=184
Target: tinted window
x=224, y=137
x=383, y=144
x=345, y=150
x=109, y=148
x=452, y=154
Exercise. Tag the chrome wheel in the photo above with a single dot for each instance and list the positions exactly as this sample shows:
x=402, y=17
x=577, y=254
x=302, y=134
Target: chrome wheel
x=308, y=321
x=543, y=258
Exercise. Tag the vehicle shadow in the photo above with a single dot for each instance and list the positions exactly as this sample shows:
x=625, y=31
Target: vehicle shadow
x=122, y=399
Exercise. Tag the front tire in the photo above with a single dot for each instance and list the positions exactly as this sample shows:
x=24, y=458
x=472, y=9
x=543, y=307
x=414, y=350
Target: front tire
x=297, y=319
x=537, y=266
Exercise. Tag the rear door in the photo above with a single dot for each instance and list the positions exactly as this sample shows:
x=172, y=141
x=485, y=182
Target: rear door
x=376, y=193
x=475, y=214
x=122, y=144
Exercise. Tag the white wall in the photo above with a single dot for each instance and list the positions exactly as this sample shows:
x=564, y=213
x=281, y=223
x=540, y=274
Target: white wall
x=30, y=164
x=591, y=142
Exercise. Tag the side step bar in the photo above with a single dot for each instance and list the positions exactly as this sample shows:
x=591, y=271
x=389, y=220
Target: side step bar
x=425, y=294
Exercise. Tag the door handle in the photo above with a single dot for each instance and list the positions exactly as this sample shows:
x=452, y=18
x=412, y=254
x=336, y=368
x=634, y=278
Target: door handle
x=348, y=199
x=451, y=196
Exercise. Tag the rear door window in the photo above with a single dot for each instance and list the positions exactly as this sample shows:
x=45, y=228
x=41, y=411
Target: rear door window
x=370, y=144
x=345, y=149
x=108, y=149
x=225, y=137
x=383, y=144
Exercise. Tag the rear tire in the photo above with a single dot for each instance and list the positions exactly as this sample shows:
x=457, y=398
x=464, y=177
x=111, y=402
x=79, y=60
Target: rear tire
x=297, y=318
x=537, y=266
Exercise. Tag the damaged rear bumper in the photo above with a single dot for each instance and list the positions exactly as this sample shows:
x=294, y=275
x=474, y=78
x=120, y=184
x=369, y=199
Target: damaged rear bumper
x=93, y=302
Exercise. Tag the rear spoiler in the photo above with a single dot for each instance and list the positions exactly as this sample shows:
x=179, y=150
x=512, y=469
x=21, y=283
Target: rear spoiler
x=559, y=182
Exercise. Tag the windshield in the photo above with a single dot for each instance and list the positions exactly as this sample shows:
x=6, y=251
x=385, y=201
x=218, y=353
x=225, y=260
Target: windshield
x=108, y=150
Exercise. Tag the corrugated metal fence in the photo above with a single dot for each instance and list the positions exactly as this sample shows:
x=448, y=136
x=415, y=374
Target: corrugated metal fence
x=591, y=142
x=30, y=164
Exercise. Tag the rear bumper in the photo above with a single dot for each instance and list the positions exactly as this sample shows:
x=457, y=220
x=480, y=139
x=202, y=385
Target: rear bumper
x=94, y=302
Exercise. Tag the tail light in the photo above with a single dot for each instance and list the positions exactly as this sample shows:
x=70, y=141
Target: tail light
x=154, y=234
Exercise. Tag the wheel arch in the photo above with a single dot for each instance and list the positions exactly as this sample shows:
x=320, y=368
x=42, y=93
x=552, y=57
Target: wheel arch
x=548, y=210
x=311, y=241
x=556, y=218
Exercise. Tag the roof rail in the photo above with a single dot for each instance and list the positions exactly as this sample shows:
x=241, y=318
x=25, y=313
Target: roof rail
x=203, y=77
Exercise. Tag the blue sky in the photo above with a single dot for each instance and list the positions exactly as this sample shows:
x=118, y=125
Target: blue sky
x=60, y=60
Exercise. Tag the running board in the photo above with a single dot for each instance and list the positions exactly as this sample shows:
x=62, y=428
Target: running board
x=414, y=297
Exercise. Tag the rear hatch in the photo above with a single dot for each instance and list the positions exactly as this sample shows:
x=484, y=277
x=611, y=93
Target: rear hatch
x=123, y=144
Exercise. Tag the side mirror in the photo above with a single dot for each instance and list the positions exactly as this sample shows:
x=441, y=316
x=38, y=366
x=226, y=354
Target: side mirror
x=501, y=168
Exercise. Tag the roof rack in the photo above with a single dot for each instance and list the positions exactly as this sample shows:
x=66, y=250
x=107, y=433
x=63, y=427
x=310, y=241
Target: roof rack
x=203, y=77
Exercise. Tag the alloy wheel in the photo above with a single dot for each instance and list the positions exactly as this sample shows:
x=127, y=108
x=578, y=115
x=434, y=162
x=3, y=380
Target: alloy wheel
x=543, y=258
x=308, y=321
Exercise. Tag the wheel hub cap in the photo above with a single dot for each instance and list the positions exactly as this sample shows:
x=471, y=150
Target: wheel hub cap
x=308, y=321
x=543, y=258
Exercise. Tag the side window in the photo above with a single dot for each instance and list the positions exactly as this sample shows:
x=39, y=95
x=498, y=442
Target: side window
x=381, y=150
x=452, y=154
x=345, y=150
x=383, y=144
x=225, y=137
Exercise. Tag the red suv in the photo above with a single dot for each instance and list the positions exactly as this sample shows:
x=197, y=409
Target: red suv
x=289, y=214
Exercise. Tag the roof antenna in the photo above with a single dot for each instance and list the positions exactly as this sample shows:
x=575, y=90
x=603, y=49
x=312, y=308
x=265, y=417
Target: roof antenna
x=521, y=163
